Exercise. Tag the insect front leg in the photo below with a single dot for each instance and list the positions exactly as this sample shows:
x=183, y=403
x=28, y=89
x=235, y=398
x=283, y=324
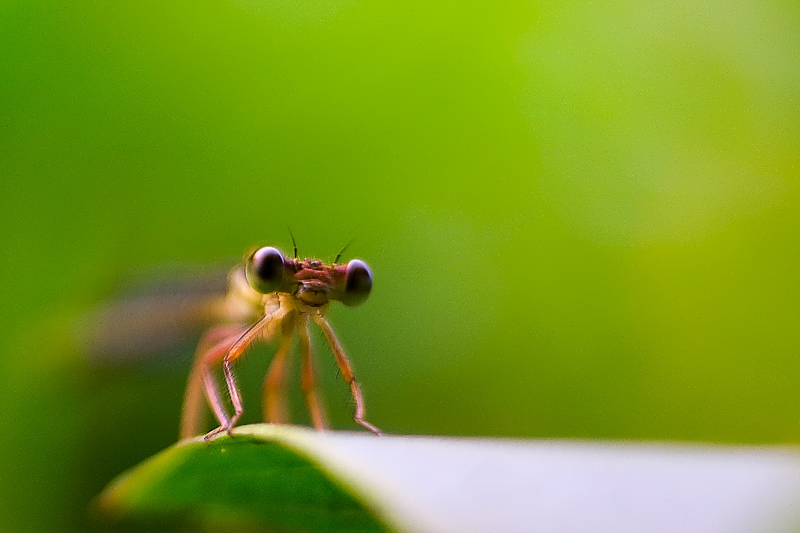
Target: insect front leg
x=235, y=351
x=347, y=372
x=211, y=349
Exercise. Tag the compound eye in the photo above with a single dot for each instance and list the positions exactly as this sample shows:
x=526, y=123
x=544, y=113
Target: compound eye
x=358, y=283
x=264, y=269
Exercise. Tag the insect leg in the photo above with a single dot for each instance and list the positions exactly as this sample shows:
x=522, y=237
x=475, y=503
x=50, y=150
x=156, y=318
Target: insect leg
x=274, y=403
x=212, y=347
x=347, y=372
x=236, y=350
x=214, y=398
x=307, y=378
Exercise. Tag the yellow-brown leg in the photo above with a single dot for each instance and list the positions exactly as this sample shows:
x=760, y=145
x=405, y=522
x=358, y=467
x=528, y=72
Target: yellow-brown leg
x=307, y=378
x=211, y=349
x=236, y=350
x=347, y=372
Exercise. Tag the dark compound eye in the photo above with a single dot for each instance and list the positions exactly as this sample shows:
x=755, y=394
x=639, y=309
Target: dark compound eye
x=264, y=269
x=358, y=283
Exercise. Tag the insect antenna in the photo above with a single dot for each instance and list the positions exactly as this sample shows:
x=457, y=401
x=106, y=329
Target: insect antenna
x=343, y=249
x=294, y=243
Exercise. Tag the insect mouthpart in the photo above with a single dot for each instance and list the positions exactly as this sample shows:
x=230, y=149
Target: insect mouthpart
x=313, y=293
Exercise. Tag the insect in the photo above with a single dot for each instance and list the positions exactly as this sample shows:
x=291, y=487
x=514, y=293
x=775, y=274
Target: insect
x=273, y=297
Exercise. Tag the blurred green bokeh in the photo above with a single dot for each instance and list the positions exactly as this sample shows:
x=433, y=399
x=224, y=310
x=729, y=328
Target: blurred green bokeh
x=583, y=219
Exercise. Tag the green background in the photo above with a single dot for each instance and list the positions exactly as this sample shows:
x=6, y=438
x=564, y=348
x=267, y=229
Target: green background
x=582, y=219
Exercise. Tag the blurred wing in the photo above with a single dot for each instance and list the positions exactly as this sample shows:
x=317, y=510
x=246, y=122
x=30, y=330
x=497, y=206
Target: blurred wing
x=153, y=319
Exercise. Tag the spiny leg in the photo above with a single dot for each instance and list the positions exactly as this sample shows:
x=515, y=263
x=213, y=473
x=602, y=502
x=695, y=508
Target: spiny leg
x=212, y=347
x=347, y=372
x=236, y=350
x=214, y=397
x=307, y=378
x=274, y=402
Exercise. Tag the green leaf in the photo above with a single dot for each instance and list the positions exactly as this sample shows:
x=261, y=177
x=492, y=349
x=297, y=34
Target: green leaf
x=251, y=479
x=287, y=478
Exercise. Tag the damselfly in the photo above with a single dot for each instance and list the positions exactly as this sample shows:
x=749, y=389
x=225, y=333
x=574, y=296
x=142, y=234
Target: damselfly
x=273, y=297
